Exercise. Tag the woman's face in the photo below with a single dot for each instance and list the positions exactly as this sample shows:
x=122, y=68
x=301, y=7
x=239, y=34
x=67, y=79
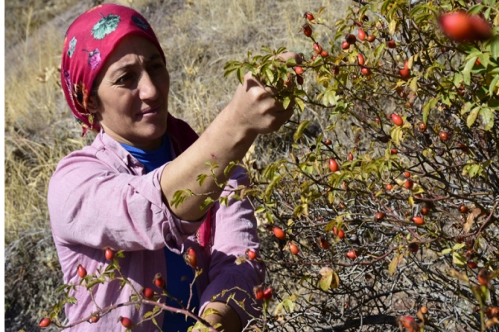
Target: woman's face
x=132, y=94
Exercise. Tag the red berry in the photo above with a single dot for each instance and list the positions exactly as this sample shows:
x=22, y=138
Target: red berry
x=309, y=16
x=418, y=220
x=333, y=165
x=251, y=254
x=371, y=38
x=126, y=322
x=323, y=243
x=45, y=322
x=267, y=294
x=317, y=48
x=394, y=151
x=293, y=248
x=407, y=174
x=443, y=135
x=484, y=277
x=81, y=271
x=422, y=127
x=307, y=30
x=389, y=186
x=190, y=258
x=409, y=184
x=360, y=57
x=324, y=53
x=463, y=209
x=391, y=44
x=298, y=70
x=351, y=39
x=258, y=291
x=365, y=71
x=350, y=156
x=109, y=254
x=425, y=210
x=457, y=25
x=328, y=142
x=361, y=34
x=345, y=45
x=94, y=319
x=405, y=73
x=397, y=120
x=352, y=254
x=159, y=281
x=379, y=216
x=148, y=293
x=472, y=265
x=299, y=80
x=279, y=233
x=413, y=247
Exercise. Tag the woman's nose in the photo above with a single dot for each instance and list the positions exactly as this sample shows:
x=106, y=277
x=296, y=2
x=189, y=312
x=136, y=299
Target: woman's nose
x=147, y=87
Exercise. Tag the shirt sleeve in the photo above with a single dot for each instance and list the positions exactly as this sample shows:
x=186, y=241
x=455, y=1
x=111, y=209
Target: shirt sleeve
x=234, y=231
x=94, y=205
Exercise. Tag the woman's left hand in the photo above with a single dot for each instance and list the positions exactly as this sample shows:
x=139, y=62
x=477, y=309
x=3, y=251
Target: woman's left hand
x=225, y=315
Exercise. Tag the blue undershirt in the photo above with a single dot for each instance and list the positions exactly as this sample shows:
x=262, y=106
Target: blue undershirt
x=179, y=275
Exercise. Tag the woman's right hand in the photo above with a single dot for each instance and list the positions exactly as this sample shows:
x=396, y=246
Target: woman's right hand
x=254, y=106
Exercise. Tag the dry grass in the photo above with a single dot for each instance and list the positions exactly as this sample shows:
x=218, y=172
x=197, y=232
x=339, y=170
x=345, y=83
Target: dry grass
x=198, y=37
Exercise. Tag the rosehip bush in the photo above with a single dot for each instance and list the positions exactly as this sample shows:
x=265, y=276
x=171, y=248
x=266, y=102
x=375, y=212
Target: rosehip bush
x=413, y=86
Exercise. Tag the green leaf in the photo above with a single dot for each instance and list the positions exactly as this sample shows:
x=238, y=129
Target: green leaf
x=487, y=115
x=286, y=102
x=300, y=104
x=494, y=47
x=392, y=268
x=299, y=131
x=493, y=85
x=472, y=117
x=467, y=70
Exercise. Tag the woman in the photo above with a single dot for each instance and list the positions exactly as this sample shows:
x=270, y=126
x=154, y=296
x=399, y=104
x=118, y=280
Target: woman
x=118, y=192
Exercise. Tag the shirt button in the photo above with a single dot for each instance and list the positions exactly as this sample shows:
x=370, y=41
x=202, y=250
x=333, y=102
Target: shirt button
x=168, y=237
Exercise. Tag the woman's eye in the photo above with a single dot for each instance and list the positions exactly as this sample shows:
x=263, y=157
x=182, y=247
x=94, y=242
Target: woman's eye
x=123, y=79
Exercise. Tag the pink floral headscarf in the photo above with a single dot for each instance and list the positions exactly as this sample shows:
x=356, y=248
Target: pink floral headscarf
x=90, y=39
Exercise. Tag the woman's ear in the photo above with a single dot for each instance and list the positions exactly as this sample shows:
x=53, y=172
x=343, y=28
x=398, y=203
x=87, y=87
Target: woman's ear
x=93, y=103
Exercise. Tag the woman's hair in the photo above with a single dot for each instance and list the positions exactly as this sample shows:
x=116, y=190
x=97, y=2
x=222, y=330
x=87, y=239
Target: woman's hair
x=89, y=41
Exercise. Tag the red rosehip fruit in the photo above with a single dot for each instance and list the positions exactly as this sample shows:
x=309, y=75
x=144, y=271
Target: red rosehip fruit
x=109, y=254
x=148, y=293
x=267, y=294
x=299, y=80
x=251, y=254
x=307, y=30
x=317, y=48
x=81, y=271
x=444, y=136
x=361, y=34
x=481, y=28
x=293, y=248
x=397, y=120
x=391, y=44
x=379, y=216
x=418, y=220
x=191, y=258
x=456, y=25
x=351, y=39
x=345, y=45
x=279, y=233
x=126, y=322
x=309, y=16
x=405, y=73
x=258, y=291
x=159, y=281
x=352, y=254
x=45, y=322
x=333, y=165
x=298, y=70
x=365, y=71
x=371, y=38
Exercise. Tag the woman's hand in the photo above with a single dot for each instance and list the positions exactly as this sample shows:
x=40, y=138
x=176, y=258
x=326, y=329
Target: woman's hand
x=225, y=315
x=254, y=107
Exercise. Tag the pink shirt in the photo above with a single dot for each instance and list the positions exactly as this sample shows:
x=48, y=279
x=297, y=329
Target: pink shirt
x=101, y=197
